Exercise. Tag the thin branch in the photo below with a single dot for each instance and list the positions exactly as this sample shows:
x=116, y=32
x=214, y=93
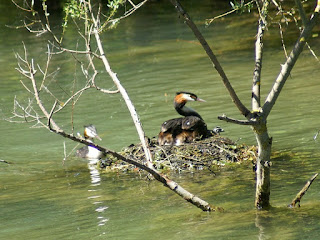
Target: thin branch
x=124, y=94
x=24, y=9
x=240, y=122
x=212, y=57
x=282, y=40
x=125, y=15
x=313, y=53
x=302, y=192
x=52, y=111
x=210, y=20
x=45, y=72
x=22, y=83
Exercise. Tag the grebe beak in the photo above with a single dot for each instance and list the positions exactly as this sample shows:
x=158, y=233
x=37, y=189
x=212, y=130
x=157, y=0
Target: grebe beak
x=200, y=100
x=98, y=137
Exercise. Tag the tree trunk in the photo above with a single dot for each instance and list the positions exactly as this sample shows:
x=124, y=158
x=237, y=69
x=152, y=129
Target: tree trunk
x=263, y=166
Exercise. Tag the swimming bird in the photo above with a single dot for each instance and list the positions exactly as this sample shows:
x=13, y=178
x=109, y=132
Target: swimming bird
x=183, y=130
x=90, y=152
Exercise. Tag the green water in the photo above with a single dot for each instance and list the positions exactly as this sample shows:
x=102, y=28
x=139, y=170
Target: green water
x=155, y=55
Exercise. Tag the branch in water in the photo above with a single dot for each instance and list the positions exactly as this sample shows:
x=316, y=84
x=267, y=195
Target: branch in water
x=175, y=187
x=305, y=188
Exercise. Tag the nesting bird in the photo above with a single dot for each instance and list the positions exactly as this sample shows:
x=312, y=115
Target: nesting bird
x=185, y=129
x=90, y=152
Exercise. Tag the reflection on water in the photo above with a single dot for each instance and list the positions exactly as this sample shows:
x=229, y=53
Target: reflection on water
x=95, y=190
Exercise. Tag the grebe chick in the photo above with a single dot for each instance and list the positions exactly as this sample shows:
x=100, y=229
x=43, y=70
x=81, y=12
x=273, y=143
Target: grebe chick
x=90, y=152
x=183, y=130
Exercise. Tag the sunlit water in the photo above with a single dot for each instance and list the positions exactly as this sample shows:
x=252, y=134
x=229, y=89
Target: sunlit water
x=43, y=196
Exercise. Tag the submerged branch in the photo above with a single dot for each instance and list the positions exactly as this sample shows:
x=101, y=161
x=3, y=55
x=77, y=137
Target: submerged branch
x=305, y=188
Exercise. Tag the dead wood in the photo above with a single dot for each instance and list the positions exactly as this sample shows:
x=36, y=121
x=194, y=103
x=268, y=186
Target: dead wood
x=302, y=192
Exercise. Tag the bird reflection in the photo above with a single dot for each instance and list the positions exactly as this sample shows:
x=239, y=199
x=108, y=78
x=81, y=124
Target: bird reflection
x=95, y=189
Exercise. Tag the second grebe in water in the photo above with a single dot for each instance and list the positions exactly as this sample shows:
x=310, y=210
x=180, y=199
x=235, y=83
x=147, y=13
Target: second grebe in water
x=90, y=152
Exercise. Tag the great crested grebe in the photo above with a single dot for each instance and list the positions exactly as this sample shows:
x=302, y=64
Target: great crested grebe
x=90, y=152
x=183, y=130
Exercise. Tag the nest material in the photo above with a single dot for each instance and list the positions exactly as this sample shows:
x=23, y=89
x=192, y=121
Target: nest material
x=206, y=153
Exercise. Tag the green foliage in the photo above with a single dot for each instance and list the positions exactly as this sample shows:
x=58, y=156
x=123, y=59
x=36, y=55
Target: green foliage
x=74, y=9
x=241, y=6
x=113, y=6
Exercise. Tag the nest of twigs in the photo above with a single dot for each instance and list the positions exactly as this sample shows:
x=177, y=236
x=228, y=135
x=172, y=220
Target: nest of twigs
x=198, y=155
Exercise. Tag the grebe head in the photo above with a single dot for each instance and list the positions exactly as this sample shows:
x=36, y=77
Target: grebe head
x=180, y=101
x=90, y=132
x=183, y=97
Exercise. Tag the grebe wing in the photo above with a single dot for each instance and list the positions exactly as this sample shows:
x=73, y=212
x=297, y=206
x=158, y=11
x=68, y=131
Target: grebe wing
x=171, y=125
x=192, y=122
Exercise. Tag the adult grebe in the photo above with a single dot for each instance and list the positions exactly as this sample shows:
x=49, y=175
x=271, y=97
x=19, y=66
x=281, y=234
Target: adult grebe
x=90, y=152
x=183, y=130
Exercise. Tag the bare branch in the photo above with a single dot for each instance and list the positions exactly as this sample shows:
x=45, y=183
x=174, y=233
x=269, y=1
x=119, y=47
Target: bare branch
x=313, y=53
x=240, y=122
x=123, y=92
x=212, y=57
x=303, y=191
x=209, y=21
x=52, y=111
x=282, y=40
x=38, y=32
x=258, y=57
x=25, y=85
x=125, y=15
x=175, y=187
x=18, y=6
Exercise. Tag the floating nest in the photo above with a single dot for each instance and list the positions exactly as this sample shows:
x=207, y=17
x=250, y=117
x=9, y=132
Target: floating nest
x=198, y=155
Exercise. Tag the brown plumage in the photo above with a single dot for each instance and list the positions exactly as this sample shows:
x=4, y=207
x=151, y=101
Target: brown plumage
x=183, y=130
